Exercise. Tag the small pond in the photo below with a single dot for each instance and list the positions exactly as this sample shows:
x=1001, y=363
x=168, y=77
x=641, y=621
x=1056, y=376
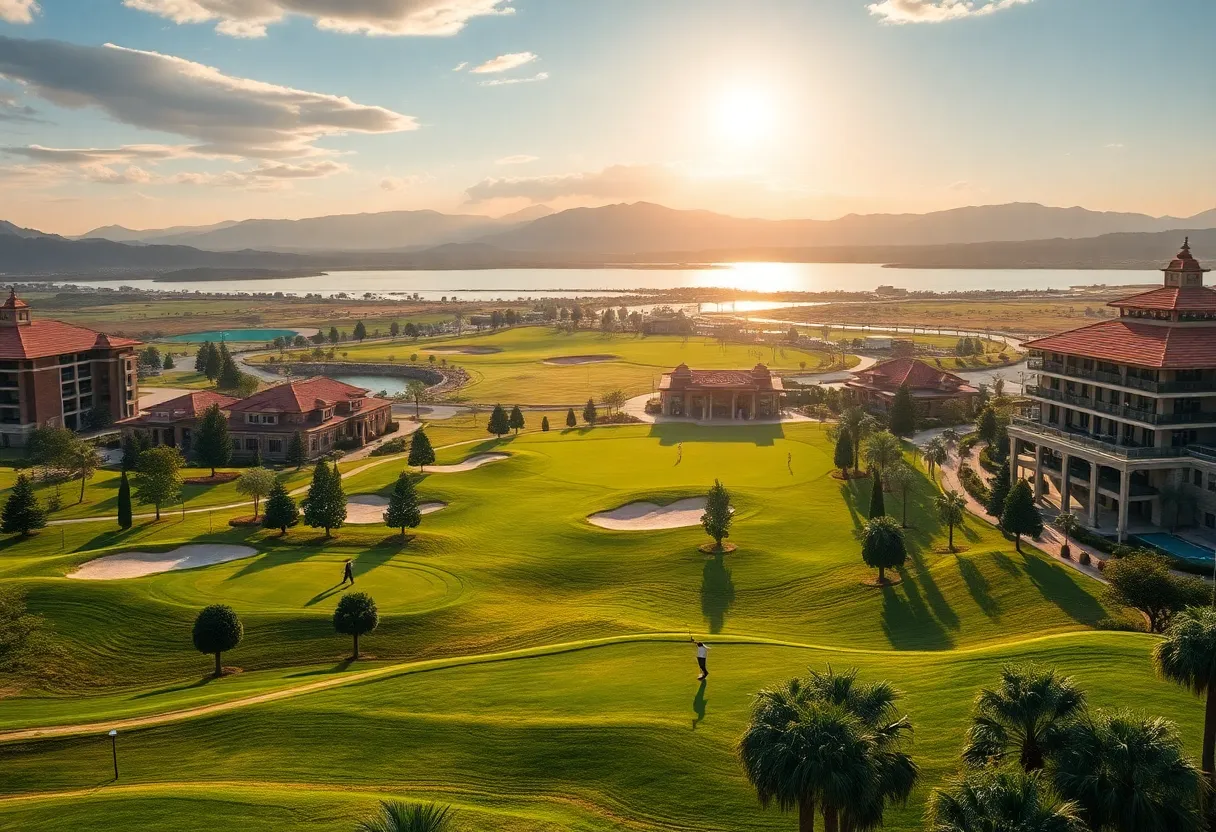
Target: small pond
x=258, y=335
x=391, y=384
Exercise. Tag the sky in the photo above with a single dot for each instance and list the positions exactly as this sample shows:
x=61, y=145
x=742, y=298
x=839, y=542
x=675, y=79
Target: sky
x=156, y=113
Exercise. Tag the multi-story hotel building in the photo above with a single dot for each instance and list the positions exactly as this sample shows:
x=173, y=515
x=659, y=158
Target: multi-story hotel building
x=1126, y=408
x=54, y=374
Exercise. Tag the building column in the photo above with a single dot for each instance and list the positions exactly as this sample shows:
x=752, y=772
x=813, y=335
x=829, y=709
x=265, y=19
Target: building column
x=1038, y=473
x=1093, y=494
x=707, y=406
x=1065, y=482
x=665, y=404
x=734, y=406
x=1013, y=460
x=688, y=405
x=755, y=405
x=1124, y=492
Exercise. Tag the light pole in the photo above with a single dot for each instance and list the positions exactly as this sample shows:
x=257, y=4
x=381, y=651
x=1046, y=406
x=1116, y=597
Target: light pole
x=114, y=750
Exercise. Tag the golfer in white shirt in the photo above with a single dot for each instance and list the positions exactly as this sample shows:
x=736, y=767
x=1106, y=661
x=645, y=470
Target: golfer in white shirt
x=702, y=655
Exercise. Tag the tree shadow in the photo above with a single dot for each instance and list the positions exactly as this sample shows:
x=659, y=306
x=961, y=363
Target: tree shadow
x=717, y=593
x=907, y=620
x=203, y=682
x=325, y=593
x=759, y=434
x=699, y=704
x=979, y=587
x=340, y=667
x=1057, y=585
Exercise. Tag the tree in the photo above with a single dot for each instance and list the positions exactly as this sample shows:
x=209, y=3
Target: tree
x=403, y=510
x=230, y=375
x=256, y=483
x=998, y=493
x=200, y=357
x=858, y=424
x=903, y=412
x=133, y=444
x=589, y=412
x=951, y=510
x=394, y=329
x=281, y=511
x=169, y=365
x=360, y=331
x=934, y=453
x=1187, y=657
x=1000, y=800
x=159, y=480
x=882, y=546
x=843, y=456
x=297, y=453
x=877, y=504
x=571, y=419
x=125, y=519
x=51, y=448
x=415, y=391
x=1143, y=581
x=334, y=336
x=986, y=425
x=1026, y=715
x=900, y=478
x=517, y=419
x=421, y=452
x=718, y=514
x=544, y=424
x=82, y=461
x=396, y=816
x=1068, y=524
x=499, y=424
x=212, y=444
x=215, y=630
x=356, y=615
x=1021, y=516
x=20, y=643
x=1129, y=774
x=22, y=514
x=325, y=505
x=883, y=450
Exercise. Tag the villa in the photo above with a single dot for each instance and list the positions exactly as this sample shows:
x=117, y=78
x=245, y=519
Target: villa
x=875, y=388
x=323, y=411
x=1124, y=415
x=721, y=394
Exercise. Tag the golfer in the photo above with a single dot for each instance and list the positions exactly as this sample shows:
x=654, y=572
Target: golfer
x=702, y=655
x=348, y=573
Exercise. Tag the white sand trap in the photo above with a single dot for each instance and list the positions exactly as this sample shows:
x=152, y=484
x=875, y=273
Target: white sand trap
x=469, y=464
x=464, y=350
x=566, y=360
x=367, y=509
x=139, y=564
x=648, y=516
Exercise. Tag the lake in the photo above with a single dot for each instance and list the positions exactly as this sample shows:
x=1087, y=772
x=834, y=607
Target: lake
x=233, y=335
x=509, y=284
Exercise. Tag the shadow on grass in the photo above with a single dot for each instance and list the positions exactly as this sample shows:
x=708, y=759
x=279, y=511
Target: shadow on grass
x=717, y=593
x=907, y=620
x=203, y=682
x=979, y=587
x=739, y=432
x=1058, y=586
x=699, y=703
x=327, y=593
x=340, y=667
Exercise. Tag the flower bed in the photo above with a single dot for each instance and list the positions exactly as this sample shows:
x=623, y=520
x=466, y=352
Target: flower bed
x=220, y=478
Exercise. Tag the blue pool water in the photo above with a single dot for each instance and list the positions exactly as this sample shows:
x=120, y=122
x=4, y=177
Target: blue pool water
x=1179, y=548
x=232, y=335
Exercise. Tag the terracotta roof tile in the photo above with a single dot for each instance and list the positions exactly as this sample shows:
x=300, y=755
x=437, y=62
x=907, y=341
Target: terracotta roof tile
x=302, y=396
x=39, y=339
x=1189, y=299
x=912, y=372
x=1140, y=344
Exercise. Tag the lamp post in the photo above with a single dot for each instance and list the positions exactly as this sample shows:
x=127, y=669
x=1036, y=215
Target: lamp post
x=114, y=750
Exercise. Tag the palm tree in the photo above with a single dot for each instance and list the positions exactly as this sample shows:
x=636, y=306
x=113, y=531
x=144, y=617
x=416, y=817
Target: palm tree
x=397, y=816
x=901, y=477
x=857, y=423
x=883, y=450
x=1025, y=715
x=1000, y=800
x=951, y=510
x=1128, y=774
x=1067, y=523
x=1187, y=657
x=950, y=438
x=935, y=453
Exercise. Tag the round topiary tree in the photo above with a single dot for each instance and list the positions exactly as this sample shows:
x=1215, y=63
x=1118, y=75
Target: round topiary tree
x=571, y=419
x=882, y=546
x=356, y=615
x=544, y=424
x=217, y=629
x=718, y=514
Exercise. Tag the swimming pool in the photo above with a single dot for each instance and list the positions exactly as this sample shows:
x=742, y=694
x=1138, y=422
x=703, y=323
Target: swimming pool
x=1176, y=547
x=231, y=335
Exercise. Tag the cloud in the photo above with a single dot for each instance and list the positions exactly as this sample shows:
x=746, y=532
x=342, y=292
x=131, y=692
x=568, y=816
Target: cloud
x=460, y=67
x=12, y=110
x=225, y=114
x=615, y=182
x=400, y=183
x=521, y=159
x=502, y=82
x=104, y=175
x=1114, y=146
x=96, y=155
x=267, y=175
x=503, y=63
x=249, y=18
x=937, y=11
x=18, y=11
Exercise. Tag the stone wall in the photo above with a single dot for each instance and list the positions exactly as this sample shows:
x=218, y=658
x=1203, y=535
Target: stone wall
x=437, y=379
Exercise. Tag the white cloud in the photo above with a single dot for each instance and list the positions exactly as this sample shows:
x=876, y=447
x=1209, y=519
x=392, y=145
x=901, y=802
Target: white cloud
x=1114, y=146
x=615, y=182
x=521, y=159
x=13, y=110
x=97, y=155
x=400, y=183
x=937, y=11
x=503, y=63
x=503, y=82
x=249, y=18
x=104, y=175
x=225, y=114
x=460, y=67
x=18, y=11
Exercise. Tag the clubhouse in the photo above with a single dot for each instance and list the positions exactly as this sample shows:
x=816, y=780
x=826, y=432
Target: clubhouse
x=323, y=411
x=875, y=388
x=721, y=394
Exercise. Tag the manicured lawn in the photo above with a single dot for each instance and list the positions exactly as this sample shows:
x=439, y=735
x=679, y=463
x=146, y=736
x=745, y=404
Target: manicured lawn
x=600, y=726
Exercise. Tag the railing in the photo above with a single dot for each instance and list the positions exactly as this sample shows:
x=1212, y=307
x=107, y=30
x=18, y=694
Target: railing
x=1134, y=414
x=1130, y=381
x=1088, y=441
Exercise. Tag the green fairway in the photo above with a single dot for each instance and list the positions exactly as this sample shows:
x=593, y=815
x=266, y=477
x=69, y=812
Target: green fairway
x=515, y=365
x=529, y=667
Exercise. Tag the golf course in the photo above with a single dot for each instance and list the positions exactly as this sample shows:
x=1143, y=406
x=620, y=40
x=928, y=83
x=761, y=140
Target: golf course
x=531, y=668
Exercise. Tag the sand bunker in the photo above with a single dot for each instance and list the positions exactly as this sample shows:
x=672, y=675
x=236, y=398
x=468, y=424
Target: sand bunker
x=465, y=350
x=565, y=360
x=366, y=509
x=469, y=464
x=648, y=516
x=139, y=564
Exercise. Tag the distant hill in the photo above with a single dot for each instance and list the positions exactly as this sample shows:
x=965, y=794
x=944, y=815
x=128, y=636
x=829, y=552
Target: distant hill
x=121, y=234
x=645, y=227
x=10, y=230
x=48, y=255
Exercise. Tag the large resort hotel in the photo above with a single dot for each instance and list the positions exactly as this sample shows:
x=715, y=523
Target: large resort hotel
x=1123, y=425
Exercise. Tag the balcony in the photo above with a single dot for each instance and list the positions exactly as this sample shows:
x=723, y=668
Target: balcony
x=1131, y=382
x=1133, y=414
x=1088, y=441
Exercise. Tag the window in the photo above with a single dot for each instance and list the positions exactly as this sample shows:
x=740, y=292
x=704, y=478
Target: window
x=1211, y=482
x=236, y=444
x=1209, y=520
x=1197, y=478
x=276, y=446
x=251, y=444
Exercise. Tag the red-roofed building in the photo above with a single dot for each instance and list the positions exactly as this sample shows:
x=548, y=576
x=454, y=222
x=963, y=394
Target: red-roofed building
x=875, y=388
x=1126, y=409
x=60, y=375
x=721, y=394
x=323, y=411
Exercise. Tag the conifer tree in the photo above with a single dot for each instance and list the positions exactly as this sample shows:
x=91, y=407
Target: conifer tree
x=421, y=452
x=230, y=374
x=877, y=505
x=589, y=412
x=297, y=454
x=334, y=337
x=169, y=365
x=571, y=419
x=998, y=493
x=718, y=514
x=212, y=445
x=517, y=419
x=986, y=425
x=500, y=424
x=214, y=363
x=360, y=331
x=544, y=424
x=124, y=502
x=1021, y=516
x=322, y=507
x=903, y=412
x=403, y=509
x=842, y=458
x=281, y=512
x=22, y=514
x=200, y=357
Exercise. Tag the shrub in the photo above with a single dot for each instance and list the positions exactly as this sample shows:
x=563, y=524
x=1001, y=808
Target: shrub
x=393, y=446
x=1084, y=559
x=973, y=485
x=1066, y=552
x=1094, y=540
x=346, y=443
x=392, y=427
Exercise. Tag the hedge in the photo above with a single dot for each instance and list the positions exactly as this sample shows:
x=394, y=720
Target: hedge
x=973, y=484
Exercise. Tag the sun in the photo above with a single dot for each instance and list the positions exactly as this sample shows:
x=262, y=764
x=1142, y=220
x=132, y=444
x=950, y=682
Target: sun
x=744, y=115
